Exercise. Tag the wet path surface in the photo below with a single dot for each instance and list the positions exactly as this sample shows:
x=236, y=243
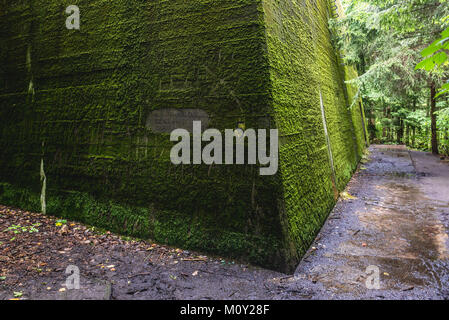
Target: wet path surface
x=397, y=224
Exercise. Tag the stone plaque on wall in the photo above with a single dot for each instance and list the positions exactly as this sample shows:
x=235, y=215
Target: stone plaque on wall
x=167, y=120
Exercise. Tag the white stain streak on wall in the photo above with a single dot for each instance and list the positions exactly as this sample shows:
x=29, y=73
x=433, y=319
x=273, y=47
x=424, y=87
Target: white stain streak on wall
x=28, y=58
x=44, y=188
x=28, y=65
x=328, y=142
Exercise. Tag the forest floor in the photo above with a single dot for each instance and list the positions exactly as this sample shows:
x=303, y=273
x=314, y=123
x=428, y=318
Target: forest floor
x=394, y=217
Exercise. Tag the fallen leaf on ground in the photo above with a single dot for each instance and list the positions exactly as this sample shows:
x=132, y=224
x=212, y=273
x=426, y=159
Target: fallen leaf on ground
x=347, y=196
x=195, y=259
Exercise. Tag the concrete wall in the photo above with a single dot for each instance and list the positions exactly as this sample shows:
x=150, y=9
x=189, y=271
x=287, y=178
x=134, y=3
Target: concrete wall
x=309, y=94
x=80, y=101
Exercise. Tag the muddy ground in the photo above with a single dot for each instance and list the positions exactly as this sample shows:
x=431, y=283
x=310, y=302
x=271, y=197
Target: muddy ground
x=397, y=224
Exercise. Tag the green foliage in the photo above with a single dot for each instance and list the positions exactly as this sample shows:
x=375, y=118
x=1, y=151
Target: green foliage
x=436, y=58
x=386, y=40
x=17, y=229
x=443, y=125
x=60, y=222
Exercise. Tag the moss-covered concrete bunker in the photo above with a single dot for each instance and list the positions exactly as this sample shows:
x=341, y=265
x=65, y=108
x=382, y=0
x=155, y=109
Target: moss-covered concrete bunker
x=74, y=108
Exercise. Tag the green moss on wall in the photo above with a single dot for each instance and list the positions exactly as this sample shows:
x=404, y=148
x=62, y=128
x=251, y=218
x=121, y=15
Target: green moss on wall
x=79, y=100
x=303, y=66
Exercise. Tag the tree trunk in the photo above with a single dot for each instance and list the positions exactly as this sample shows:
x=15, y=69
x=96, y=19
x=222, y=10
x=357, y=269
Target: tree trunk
x=433, y=117
x=407, y=135
x=400, y=133
x=389, y=128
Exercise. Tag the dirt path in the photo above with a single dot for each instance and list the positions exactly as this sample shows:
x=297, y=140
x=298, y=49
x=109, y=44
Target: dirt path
x=398, y=224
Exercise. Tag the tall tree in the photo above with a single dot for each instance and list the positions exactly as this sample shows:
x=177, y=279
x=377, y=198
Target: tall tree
x=384, y=39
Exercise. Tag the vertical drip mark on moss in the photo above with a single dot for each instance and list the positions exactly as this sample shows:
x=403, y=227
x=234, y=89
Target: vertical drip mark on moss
x=323, y=112
x=28, y=58
x=328, y=142
x=314, y=32
x=28, y=65
x=31, y=89
x=44, y=185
